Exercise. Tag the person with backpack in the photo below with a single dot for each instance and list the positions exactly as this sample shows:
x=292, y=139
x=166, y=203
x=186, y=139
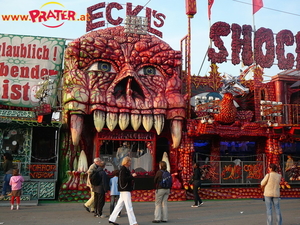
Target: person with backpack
x=89, y=205
x=196, y=181
x=163, y=184
x=100, y=186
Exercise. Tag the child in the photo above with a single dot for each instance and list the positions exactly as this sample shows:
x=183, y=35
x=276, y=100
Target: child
x=114, y=193
x=16, y=185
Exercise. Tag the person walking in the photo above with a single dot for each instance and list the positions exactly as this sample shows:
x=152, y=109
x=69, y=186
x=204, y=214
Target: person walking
x=161, y=196
x=100, y=190
x=271, y=184
x=89, y=205
x=196, y=181
x=16, y=182
x=114, y=192
x=7, y=169
x=125, y=186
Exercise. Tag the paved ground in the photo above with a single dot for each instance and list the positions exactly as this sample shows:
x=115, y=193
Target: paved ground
x=214, y=212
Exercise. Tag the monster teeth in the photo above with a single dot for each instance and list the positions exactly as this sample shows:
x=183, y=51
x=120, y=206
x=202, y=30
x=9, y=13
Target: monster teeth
x=136, y=121
x=111, y=120
x=123, y=120
x=159, y=122
x=99, y=119
x=176, y=130
x=76, y=125
x=147, y=122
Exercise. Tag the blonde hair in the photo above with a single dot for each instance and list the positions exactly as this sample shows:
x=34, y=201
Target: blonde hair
x=126, y=160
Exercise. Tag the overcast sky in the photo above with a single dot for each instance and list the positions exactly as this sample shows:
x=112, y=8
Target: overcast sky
x=276, y=15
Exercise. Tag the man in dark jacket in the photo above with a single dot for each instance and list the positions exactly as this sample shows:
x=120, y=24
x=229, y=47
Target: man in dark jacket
x=99, y=190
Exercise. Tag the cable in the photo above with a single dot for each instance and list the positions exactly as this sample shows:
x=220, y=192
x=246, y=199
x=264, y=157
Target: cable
x=146, y=3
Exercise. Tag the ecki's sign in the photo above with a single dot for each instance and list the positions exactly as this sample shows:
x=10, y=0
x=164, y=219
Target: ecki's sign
x=96, y=16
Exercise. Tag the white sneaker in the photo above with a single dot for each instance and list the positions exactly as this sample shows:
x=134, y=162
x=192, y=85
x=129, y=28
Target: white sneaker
x=12, y=207
x=18, y=207
x=195, y=206
x=103, y=216
x=201, y=204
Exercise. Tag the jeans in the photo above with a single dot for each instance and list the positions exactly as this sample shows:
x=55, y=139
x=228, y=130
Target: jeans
x=161, y=206
x=270, y=201
x=6, y=186
x=113, y=201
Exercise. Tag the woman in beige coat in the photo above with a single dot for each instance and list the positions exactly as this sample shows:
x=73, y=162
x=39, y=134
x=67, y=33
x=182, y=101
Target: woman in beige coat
x=272, y=194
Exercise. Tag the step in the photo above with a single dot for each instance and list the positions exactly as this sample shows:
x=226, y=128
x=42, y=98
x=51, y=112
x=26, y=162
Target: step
x=23, y=198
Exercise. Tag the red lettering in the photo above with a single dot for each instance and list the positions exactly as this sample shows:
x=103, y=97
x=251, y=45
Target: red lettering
x=161, y=18
x=5, y=89
x=51, y=15
x=14, y=72
x=34, y=74
x=71, y=15
x=89, y=24
x=218, y=29
x=3, y=69
x=34, y=14
x=109, y=18
x=134, y=12
x=58, y=13
x=264, y=35
x=15, y=92
x=284, y=37
x=26, y=89
x=298, y=50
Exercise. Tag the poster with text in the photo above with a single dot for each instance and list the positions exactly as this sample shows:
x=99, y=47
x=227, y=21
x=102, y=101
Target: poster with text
x=30, y=69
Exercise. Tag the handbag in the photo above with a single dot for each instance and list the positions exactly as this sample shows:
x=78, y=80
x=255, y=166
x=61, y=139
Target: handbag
x=263, y=186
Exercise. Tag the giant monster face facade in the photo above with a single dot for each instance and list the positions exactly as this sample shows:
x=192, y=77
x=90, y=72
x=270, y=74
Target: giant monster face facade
x=123, y=80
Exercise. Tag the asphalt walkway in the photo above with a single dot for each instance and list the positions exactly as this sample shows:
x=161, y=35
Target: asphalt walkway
x=212, y=212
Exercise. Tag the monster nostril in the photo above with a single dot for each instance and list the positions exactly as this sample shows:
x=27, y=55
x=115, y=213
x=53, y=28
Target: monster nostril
x=128, y=86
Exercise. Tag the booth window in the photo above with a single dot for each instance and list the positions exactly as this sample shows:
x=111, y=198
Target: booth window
x=43, y=145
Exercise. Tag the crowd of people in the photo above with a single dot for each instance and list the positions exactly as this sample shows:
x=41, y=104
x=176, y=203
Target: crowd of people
x=122, y=183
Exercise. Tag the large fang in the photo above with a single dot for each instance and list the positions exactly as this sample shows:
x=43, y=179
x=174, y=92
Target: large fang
x=123, y=120
x=76, y=125
x=99, y=119
x=147, y=122
x=111, y=120
x=136, y=121
x=176, y=130
x=159, y=122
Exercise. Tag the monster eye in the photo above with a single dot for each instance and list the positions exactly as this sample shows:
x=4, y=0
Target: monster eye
x=149, y=70
x=102, y=66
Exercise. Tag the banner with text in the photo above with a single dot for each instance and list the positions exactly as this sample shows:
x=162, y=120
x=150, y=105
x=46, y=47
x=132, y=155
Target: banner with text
x=30, y=69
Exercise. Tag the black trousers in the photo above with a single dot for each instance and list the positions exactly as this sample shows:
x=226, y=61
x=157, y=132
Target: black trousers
x=99, y=201
x=197, y=199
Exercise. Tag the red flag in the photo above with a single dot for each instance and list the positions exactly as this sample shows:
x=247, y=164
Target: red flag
x=210, y=3
x=257, y=5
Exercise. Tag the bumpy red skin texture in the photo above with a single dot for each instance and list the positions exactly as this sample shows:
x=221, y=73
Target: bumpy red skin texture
x=86, y=91
x=228, y=111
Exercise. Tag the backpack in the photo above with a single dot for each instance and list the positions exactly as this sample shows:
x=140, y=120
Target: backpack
x=166, y=181
x=95, y=178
